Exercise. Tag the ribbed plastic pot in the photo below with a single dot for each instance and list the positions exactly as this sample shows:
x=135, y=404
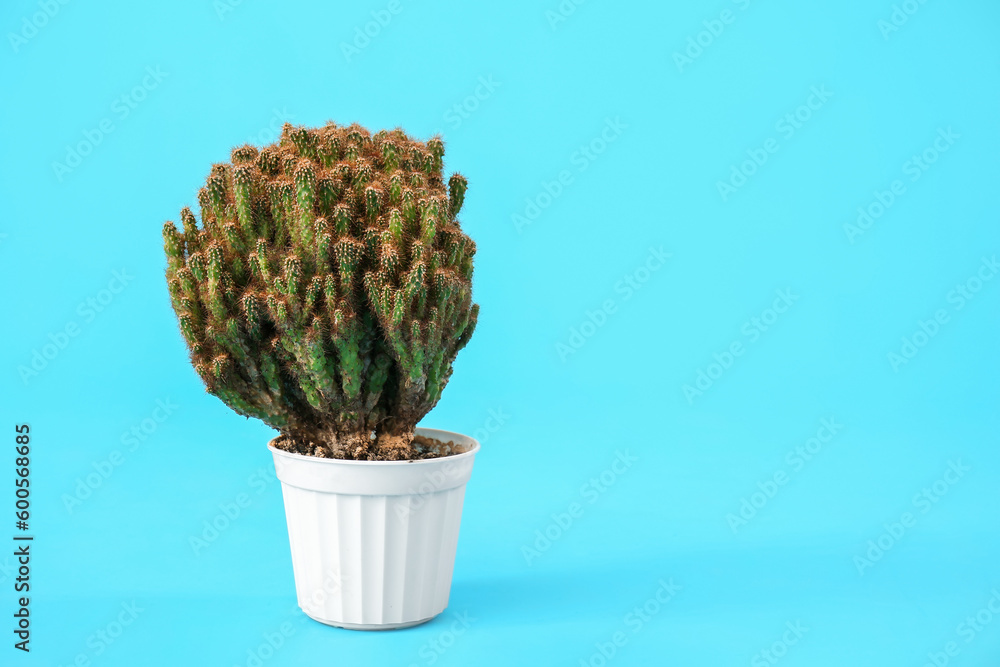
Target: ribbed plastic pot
x=373, y=542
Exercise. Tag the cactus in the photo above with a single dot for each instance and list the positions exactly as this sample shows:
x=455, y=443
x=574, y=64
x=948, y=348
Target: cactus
x=328, y=287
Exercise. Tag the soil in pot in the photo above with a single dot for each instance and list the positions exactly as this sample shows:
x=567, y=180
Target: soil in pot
x=427, y=448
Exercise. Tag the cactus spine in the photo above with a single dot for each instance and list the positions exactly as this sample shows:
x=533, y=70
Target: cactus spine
x=328, y=287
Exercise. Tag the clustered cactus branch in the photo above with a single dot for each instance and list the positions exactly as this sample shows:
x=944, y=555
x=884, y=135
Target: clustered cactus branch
x=328, y=287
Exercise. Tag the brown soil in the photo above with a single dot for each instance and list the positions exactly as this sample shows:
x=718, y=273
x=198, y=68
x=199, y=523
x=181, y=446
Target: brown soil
x=432, y=448
x=426, y=448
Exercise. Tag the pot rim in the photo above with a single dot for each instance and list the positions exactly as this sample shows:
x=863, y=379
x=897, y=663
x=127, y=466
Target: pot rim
x=469, y=453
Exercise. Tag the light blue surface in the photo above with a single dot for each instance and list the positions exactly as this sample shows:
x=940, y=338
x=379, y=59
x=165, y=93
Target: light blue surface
x=611, y=147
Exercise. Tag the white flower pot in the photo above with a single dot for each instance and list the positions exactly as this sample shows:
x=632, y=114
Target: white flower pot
x=373, y=542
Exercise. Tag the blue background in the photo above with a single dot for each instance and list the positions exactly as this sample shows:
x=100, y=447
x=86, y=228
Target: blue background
x=229, y=73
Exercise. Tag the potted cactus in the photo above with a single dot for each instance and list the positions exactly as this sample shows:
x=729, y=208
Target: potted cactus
x=326, y=292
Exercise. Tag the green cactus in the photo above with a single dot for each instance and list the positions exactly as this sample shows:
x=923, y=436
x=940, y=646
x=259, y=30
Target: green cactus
x=329, y=286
